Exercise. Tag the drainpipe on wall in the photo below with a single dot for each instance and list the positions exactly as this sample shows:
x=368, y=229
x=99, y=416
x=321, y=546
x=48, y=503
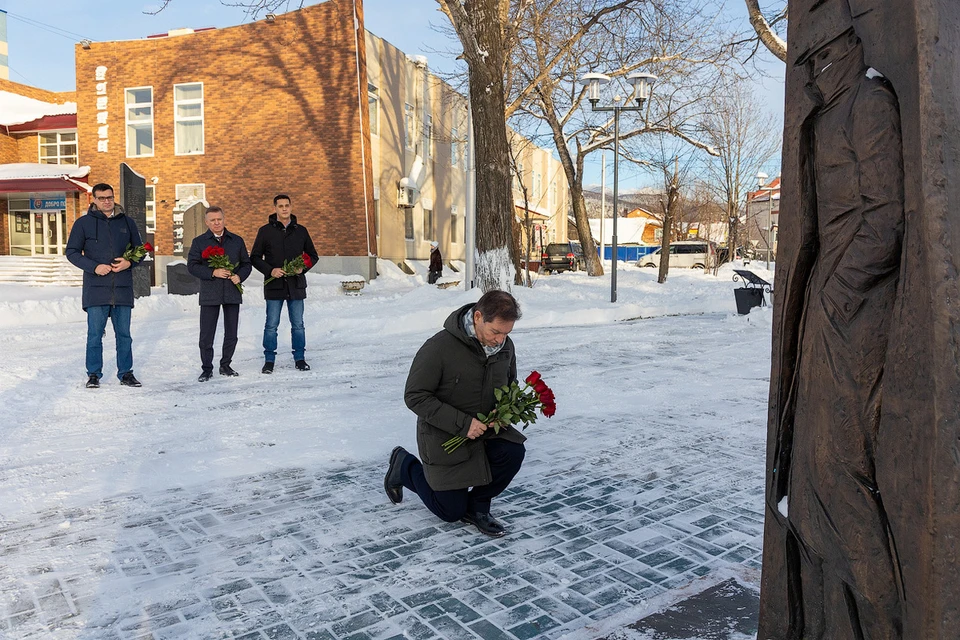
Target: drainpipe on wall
x=470, y=216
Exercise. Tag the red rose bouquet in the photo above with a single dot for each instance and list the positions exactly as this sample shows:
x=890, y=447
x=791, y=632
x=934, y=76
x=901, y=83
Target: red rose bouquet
x=290, y=267
x=217, y=258
x=136, y=254
x=515, y=405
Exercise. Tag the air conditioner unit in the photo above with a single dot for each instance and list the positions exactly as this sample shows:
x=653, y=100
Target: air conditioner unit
x=406, y=196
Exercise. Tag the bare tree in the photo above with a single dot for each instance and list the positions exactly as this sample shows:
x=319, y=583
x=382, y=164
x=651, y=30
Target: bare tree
x=745, y=138
x=766, y=29
x=557, y=41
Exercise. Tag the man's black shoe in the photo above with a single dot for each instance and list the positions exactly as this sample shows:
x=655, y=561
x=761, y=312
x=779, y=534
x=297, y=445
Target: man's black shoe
x=485, y=523
x=129, y=381
x=302, y=365
x=267, y=367
x=206, y=375
x=391, y=481
x=93, y=382
x=226, y=370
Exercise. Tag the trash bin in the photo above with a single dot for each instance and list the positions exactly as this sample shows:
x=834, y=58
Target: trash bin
x=747, y=298
x=179, y=281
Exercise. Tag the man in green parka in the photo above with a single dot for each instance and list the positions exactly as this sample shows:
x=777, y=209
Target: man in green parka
x=451, y=381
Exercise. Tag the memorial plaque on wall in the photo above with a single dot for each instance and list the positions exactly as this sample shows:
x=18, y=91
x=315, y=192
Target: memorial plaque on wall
x=133, y=199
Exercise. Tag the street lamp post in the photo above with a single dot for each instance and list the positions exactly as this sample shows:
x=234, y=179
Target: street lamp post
x=761, y=181
x=641, y=83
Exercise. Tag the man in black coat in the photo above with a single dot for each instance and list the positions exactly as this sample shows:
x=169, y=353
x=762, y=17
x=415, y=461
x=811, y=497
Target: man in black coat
x=451, y=381
x=278, y=241
x=96, y=245
x=218, y=288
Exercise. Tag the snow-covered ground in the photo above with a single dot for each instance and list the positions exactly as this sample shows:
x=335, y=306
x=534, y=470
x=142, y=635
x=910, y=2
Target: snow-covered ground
x=65, y=447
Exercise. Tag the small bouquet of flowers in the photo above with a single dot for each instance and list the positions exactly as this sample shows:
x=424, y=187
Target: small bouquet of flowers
x=217, y=258
x=290, y=267
x=136, y=254
x=515, y=405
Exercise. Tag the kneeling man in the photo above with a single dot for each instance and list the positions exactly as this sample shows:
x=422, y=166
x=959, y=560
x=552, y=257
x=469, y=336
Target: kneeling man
x=452, y=379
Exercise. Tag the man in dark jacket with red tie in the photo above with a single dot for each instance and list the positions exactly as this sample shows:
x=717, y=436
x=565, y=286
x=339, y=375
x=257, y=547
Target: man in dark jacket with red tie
x=219, y=287
x=280, y=240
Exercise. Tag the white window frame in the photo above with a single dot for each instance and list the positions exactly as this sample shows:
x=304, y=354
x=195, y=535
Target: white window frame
x=150, y=210
x=454, y=147
x=454, y=224
x=412, y=227
x=176, y=119
x=428, y=224
x=428, y=137
x=59, y=144
x=409, y=130
x=373, y=106
x=127, y=122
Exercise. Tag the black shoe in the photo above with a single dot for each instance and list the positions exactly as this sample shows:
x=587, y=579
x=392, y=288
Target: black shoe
x=267, y=367
x=129, y=381
x=93, y=382
x=206, y=375
x=302, y=365
x=391, y=481
x=485, y=523
x=225, y=370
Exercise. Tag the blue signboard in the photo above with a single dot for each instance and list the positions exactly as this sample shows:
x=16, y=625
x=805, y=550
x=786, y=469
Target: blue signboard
x=48, y=203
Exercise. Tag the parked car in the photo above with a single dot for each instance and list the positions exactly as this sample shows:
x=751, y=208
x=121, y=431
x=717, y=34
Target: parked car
x=689, y=254
x=562, y=256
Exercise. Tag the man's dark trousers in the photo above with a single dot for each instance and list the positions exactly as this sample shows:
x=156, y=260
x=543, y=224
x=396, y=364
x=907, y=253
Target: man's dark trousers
x=209, y=315
x=505, y=459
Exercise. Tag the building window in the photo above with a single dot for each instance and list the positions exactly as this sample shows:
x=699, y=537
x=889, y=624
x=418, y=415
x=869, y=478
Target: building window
x=408, y=128
x=428, y=224
x=58, y=148
x=188, y=118
x=139, y=114
x=553, y=196
x=376, y=217
x=518, y=178
x=151, y=209
x=537, y=184
x=408, y=223
x=454, y=148
x=454, y=225
x=373, y=102
x=428, y=137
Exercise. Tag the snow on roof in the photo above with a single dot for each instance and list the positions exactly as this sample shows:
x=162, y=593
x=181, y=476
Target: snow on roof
x=32, y=171
x=16, y=109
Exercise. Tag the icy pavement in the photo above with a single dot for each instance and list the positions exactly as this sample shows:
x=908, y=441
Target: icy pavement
x=650, y=476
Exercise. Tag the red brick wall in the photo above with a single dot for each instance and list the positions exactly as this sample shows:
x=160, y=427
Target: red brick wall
x=56, y=97
x=282, y=115
x=9, y=150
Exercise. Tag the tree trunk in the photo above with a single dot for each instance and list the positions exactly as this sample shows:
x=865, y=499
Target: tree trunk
x=770, y=40
x=498, y=257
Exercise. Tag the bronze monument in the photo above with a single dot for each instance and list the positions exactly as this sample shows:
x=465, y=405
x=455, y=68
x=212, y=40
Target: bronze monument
x=863, y=461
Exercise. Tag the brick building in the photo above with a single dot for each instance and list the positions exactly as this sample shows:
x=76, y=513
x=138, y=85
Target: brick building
x=235, y=116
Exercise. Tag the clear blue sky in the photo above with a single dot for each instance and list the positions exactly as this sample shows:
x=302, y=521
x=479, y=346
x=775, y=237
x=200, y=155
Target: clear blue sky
x=42, y=34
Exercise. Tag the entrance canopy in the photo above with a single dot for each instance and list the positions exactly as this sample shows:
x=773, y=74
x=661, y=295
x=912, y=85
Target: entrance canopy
x=25, y=177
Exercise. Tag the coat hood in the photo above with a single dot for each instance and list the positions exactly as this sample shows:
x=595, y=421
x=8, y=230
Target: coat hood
x=454, y=325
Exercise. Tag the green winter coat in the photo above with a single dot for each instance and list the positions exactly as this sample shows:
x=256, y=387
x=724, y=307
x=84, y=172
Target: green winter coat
x=451, y=380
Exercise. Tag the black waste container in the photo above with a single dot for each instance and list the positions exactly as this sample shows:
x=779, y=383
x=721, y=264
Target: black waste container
x=747, y=299
x=179, y=280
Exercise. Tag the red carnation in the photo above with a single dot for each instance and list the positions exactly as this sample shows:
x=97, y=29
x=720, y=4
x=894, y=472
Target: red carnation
x=147, y=246
x=307, y=262
x=532, y=378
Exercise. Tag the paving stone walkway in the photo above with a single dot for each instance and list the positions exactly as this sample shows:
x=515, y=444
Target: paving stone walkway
x=324, y=556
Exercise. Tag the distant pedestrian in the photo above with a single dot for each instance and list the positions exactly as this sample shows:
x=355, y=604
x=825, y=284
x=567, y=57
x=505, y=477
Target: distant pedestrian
x=96, y=245
x=451, y=381
x=278, y=241
x=218, y=288
x=436, y=263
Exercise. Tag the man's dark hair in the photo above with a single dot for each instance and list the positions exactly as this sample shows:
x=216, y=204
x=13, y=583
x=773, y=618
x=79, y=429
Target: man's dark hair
x=100, y=188
x=212, y=210
x=495, y=305
x=282, y=196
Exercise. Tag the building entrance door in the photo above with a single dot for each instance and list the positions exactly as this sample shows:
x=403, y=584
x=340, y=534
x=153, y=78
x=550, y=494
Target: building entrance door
x=54, y=233
x=38, y=233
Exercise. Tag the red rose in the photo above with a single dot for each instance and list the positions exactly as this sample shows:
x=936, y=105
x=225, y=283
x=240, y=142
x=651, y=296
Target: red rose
x=307, y=262
x=532, y=378
x=547, y=397
x=147, y=246
x=206, y=253
x=549, y=410
x=541, y=386
x=218, y=251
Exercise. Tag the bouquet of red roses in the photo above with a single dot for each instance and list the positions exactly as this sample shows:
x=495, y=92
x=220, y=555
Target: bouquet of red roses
x=136, y=254
x=515, y=405
x=217, y=258
x=290, y=267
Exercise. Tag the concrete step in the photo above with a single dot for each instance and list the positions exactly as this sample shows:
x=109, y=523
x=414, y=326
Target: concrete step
x=39, y=270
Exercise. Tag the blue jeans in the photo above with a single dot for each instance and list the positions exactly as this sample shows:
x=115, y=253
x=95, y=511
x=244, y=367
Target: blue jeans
x=298, y=337
x=96, y=324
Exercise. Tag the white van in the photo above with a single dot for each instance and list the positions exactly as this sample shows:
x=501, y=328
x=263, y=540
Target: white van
x=687, y=254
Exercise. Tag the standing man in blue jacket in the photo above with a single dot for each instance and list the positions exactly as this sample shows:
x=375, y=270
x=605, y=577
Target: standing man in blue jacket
x=278, y=241
x=218, y=288
x=97, y=243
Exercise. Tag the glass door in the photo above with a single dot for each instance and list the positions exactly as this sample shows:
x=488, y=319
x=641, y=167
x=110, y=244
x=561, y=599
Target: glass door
x=54, y=233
